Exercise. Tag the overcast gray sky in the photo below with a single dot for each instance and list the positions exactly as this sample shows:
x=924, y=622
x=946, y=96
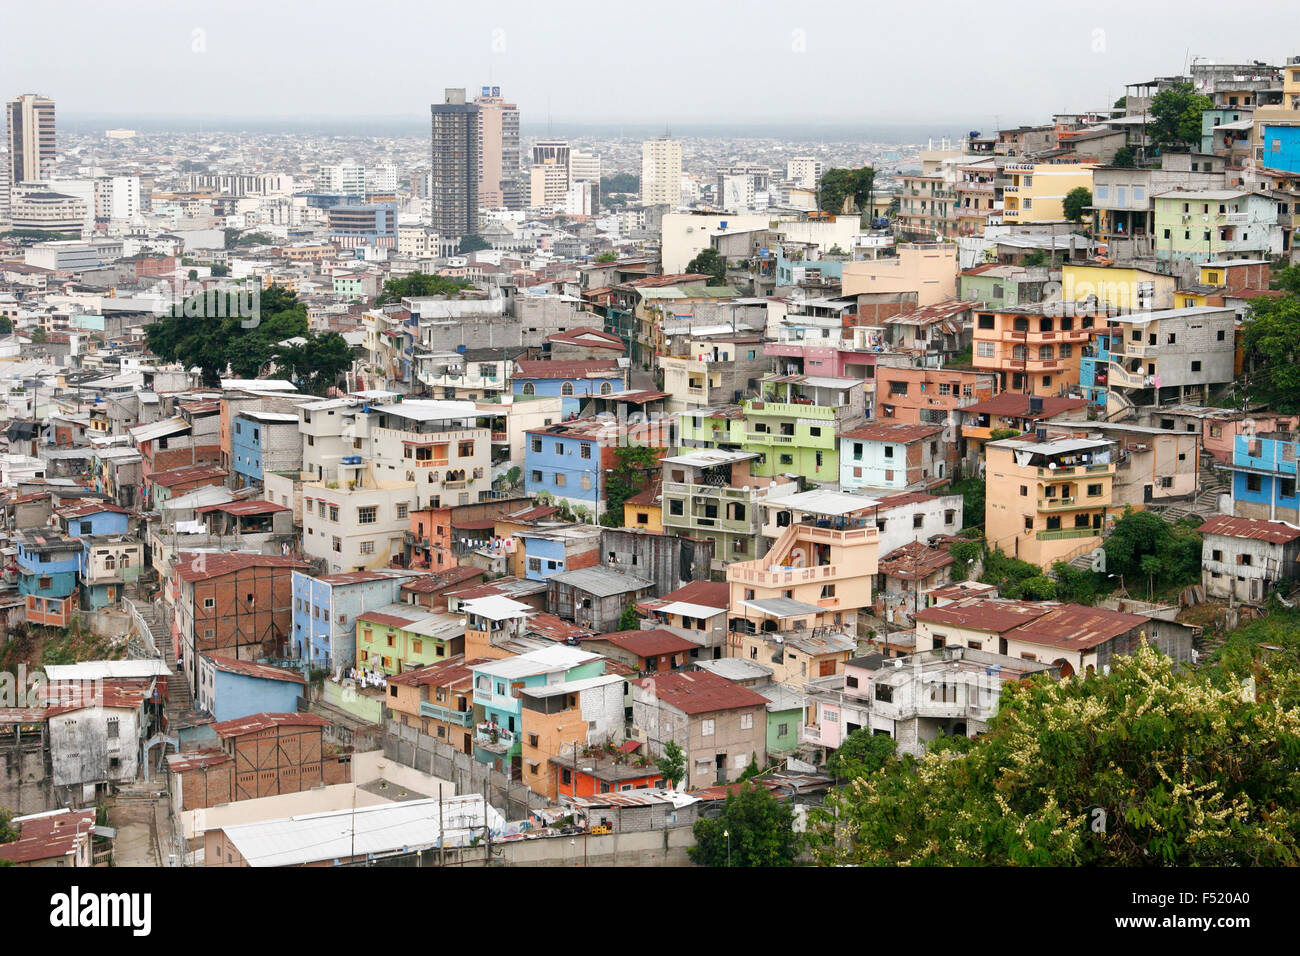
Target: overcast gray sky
x=636, y=62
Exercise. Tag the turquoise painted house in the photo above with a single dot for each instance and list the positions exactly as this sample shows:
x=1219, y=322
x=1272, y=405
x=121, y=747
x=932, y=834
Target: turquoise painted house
x=497, y=707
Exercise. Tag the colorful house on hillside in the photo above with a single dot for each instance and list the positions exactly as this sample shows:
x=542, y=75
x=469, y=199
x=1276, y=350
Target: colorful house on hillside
x=397, y=637
x=47, y=576
x=230, y=689
x=497, y=698
x=573, y=380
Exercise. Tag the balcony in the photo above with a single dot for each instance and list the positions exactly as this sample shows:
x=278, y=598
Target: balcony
x=500, y=438
x=462, y=483
x=1050, y=504
x=768, y=438
x=1057, y=534
x=462, y=718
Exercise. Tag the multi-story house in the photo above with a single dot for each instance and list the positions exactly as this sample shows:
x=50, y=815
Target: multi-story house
x=713, y=494
x=1174, y=353
x=359, y=528
x=48, y=566
x=438, y=699
x=569, y=461
x=572, y=380
x=1124, y=200
x=1015, y=412
x=236, y=604
x=1263, y=470
x=1243, y=557
x=1033, y=350
x=440, y=446
x=109, y=563
x=473, y=374
x=998, y=286
x=1047, y=501
x=498, y=702
x=704, y=370
x=794, y=427
x=263, y=442
x=1035, y=192
x=931, y=336
x=720, y=726
x=1203, y=225
x=326, y=608
x=895, y=456
x=1151, y=464
x=818, y=573
x=566, y=715
x=396, y=637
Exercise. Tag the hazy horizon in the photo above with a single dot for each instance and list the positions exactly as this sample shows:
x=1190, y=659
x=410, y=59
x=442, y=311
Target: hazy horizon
x=948, y=66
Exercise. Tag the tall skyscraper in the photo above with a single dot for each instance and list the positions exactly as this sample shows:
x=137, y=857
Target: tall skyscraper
x=29, y=121
x=499, y=180
x=661, y=172
x=549, y=176
x=454, y=175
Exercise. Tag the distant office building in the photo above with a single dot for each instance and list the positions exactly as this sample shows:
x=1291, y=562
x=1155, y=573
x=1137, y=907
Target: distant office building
x=499, y=179
x=585, y=168
x=454, y=175
x=29, y=121
x=661, y=172
x=804, y=171
x=549, y=176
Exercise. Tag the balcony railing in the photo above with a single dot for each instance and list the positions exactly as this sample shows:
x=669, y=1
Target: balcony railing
x=1057, y=534
x=462, y=718
x=1046, y=503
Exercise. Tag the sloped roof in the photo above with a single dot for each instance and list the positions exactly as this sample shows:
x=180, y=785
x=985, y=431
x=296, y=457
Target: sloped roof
x=701, y=692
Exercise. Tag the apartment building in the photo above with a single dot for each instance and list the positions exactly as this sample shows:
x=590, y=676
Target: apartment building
x=927, y=270
x=1033, y=350
x=1035, y=192
x=661, y=172
x=1204, y=225
x=720, y=725
x=891, y=455
x=1047, y=501
x=705, y=370
x=438, y=699
x=1173, y=353
x=714, y=494
x=1263, y=470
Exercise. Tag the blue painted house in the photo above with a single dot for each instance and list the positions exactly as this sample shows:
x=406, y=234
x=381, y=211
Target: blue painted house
x=261, y=442
x=325, y=612
x=573, y=380
x=1282, y=148
x=79, y=521
x=1094, y=360
x=498, y=735
x=229, y=689
x=1264, y=476
x=47, y=576
x=566, y=461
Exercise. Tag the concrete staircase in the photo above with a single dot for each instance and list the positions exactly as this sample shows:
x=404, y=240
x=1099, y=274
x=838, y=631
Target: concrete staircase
x=179, y=699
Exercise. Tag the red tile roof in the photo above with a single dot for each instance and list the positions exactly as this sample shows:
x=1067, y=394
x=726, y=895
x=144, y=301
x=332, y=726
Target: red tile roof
x=258, y=722
x=555, y=629
x=195, y=566
x=898, y=501
x=1273, y=532
x=252, y=669
x=535, y=513
x=996, y=616
x=441, y=580
x=701, y=692
x=646, y=643
x=449, y=673
x=892, y=432
x=48, y=837
x=189, y=473
x=583, y=336
x=251, y=507
x=703, y=593
x=1075, y=627
x=81, y=510
x=1016, y=405
x=197, y=760
x=573, y=368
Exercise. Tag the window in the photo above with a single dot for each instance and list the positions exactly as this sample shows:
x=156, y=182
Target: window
x=1024, y=491
x=706, y=728
x=367, y=515
x=566, y=388
x=949, y=516
x=585, y=450
x=402, y=512
x=918, y=521
x=1196, y=366
x=367, y=547
x=1094, y=491
x=1253, y=483
x=889, y=451
x=746, y=721
x=535, y=564
x=338, y=545
x=675, y=506
x=537, y=445
x=1216, y=555
x=207, y=602
x=585, y=481
x=537, y=476
x=559, y=479
x=334, y=512
x=984, y=349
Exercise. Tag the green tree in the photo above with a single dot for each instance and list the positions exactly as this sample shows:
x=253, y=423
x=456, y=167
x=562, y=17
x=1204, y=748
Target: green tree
x=620, y=183
x=633, y=467
x=861, y=754
x=220, y=271
x=416, y=284
x=472, y=244
x=846, y=190
x=672, y=763
x=8, y=832
x=1272, y=347
x=317, y=364
x=1151, y=765
x=1124, y=157
x=972, y=501
x=629, y=620
x=1121, y=103
x=607, y=257
x=215, y=343
x=38, y=336
x=6, y=326
x=754, y=829
x=1174, y=550
x=1076, y=203
x=709, y=263
x=1176, y=117
x=194, y=275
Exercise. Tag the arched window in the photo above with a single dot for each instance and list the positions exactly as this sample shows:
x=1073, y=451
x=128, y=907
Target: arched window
x=566, y=388
x=1045, y=353
x=109, y=563
x=606, y=388
x=529, y=388
x=126, y=561
x=1019, y=353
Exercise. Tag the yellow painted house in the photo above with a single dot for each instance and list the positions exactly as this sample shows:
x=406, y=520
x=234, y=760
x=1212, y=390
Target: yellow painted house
x=644, y=511
x=1120, y=288
x=1036, y=192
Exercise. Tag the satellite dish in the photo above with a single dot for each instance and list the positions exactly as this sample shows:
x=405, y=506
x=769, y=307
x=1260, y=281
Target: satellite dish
x=1052, y=465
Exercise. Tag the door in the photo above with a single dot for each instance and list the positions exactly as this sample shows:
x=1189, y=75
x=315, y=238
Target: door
x=720, y=768
x=1147, y=492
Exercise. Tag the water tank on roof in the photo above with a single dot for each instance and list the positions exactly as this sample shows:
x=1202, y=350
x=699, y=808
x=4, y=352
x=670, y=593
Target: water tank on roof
x=460, y=349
